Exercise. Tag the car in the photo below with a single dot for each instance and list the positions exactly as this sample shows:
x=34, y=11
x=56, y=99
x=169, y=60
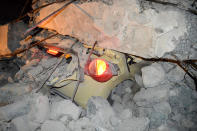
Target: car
x=105, y=70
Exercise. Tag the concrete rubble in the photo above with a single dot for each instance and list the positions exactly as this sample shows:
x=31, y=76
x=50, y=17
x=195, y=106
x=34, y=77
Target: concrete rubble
x=11, y=111
x=154, y=72
x=162, y=99
x=50, y=125
x=100, y=112
x=70, y=110
x=152, y=32
x=151, y=96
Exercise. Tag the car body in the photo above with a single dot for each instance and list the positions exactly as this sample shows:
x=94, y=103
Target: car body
x=90, y=87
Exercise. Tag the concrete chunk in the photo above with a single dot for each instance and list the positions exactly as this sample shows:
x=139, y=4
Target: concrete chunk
x=163, y=107
x=39, y=108
x=65, y=107
x=100, y=111
x=151, y=96
x=134, y=124
x=14, y=110
x=50, y=125
x=153, y=75
x=22, y=123
x=83, y=124
x=176, y=75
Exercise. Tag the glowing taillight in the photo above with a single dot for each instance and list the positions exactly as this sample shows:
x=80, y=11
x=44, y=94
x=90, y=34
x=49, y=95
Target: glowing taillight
x=52, y=51
x=100, y=67
x=99, y=70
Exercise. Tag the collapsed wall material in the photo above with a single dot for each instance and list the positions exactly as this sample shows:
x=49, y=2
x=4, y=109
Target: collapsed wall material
x=120, y=26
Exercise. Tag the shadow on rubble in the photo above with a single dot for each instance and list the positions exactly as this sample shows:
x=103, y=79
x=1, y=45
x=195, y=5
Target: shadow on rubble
x=8, y=69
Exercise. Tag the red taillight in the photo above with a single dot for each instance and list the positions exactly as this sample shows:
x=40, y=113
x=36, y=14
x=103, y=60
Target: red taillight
x=99, y=70
x=52, y=51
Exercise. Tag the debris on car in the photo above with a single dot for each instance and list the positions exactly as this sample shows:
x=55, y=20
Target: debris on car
x=99, y=65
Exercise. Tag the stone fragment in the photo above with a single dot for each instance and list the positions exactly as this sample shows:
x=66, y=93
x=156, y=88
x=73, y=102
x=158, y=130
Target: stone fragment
x=65, y=107
x=39, y=108
x=172, y=23
x=9, y=91
x=177, y=117
x=187, y=123
x=164, y=44
x=117, y=107
x=167, y=66
x=190, y=82
x=174, y=92
x=82, y=124
x=10, y=80
x=123, y=88
x=50, y=125
x=166, y=128
x=139, y=80
x=65, y=119
x=195, y=46
x=99, y=111
x=22, y=123
x=4, y=126
x=125, y=114
x=143, y=111
x=151, y=96
x=134, y=124
x=193, y=54
x=14, y=110
x=153, y=75
x=194, y=95
x=193, y=107
x=101, y=129
x=116, y=98
x=176, y=75
x=163, y=107
x=182, y=100
x=157, y=119
x=115, y=121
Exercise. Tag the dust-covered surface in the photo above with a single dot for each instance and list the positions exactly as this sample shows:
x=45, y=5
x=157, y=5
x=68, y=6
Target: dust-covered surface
x=165, y=101
x=122, y=26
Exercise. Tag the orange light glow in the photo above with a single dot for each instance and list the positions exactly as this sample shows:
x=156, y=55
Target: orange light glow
x=100, y=67
x=67, y=56
x=52, y=52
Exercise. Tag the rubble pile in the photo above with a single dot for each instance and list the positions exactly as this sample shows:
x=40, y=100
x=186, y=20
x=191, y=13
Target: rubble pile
x=162, y=99
x=152, y=32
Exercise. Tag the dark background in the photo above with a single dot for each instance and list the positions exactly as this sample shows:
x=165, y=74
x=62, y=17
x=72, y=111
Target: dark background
x=11, y=9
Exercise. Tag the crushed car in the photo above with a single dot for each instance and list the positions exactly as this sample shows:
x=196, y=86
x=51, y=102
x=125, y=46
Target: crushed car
x=103, y=71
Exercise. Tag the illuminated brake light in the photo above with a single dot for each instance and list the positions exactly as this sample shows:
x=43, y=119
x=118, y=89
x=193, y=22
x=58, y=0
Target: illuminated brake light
x=99, y=70
x=100, y=67
x=52, y=52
